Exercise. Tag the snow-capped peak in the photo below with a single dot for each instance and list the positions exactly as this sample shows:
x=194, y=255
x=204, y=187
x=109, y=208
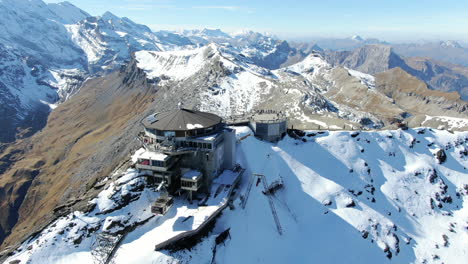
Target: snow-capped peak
x=357, y=38
x=311, y=62
x=207, y=33
x=450, y=43
x=176, y=65
x=214, y=33
x=69, y=13
x=109, y=15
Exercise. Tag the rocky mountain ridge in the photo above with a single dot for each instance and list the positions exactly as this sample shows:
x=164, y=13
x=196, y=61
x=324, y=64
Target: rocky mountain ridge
x=374, y=59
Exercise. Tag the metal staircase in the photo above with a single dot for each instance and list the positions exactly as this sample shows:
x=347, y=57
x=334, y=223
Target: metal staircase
x=270, y=201
x=247, y=192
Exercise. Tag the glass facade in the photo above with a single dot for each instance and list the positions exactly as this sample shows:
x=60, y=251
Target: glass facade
x=157, y=163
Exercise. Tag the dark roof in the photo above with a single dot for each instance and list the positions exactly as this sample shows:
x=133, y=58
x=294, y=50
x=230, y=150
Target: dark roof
x=181, y=120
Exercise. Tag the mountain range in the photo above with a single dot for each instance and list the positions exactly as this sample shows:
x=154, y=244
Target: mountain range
x=73, y=88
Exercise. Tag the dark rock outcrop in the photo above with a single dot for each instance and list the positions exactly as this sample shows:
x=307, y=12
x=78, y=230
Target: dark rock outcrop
x=441, y=156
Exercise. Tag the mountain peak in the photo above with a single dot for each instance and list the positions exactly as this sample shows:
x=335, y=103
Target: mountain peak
x=109, y=16
x=250, y=34
x=68, y=12
x=450, y=43
x=357, y=38
x=213, y=32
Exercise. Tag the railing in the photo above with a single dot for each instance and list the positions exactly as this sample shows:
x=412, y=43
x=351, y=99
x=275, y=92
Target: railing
x=247, y=192
x=278, y=120
x=251, y=118
x=149, y=167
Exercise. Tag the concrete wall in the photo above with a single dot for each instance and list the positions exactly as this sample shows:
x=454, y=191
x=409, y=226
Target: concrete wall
x=208, y=162
x=269, y=131
x=229, y=148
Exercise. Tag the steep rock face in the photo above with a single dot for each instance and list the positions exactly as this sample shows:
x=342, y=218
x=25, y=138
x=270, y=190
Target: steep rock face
x=369, y=59
x=373, y=59
x=412, y=95
x=439, y=75
x=448, y=51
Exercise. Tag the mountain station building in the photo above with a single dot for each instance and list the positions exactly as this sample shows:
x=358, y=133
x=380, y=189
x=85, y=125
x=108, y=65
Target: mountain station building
x=186, y=149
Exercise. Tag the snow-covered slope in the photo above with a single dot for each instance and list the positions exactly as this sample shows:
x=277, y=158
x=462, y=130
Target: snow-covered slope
x=348, y=197
x=261, y=49
x=356, y=198
x=50, y=49
x=35, y=43
x=176, y=65
x=109, y=40
x=219, y=80
x=69, y=13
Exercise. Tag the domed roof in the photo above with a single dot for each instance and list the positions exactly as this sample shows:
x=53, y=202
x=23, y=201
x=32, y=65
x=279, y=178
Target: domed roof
x=181, y=120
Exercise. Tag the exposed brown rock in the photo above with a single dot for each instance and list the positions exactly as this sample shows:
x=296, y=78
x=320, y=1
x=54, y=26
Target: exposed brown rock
x=84, y=140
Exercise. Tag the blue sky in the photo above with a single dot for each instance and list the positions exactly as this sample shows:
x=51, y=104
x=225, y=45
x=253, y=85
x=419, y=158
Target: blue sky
x=392, y=20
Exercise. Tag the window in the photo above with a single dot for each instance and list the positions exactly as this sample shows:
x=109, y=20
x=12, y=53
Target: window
x=169, y=133
x=157, y=163
x=187, y=184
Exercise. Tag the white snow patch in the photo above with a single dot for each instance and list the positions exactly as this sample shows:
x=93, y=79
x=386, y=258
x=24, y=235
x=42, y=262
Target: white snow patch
x=194, y=126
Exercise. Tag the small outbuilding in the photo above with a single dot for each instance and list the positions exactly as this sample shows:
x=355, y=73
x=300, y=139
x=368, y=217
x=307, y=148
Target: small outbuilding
x=269, y=125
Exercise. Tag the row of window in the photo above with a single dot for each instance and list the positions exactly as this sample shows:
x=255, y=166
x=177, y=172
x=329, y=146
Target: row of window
x=200, y=145
x=155, y=163
x=188, y=133
x=188, y=184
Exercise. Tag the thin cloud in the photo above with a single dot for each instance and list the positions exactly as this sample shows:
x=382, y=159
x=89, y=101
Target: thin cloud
x=142, y=7
x=229, y=8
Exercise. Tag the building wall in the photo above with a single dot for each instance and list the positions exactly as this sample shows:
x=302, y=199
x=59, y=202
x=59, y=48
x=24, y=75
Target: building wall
x=269, y=131
x=209, y=162
x=229, y=149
